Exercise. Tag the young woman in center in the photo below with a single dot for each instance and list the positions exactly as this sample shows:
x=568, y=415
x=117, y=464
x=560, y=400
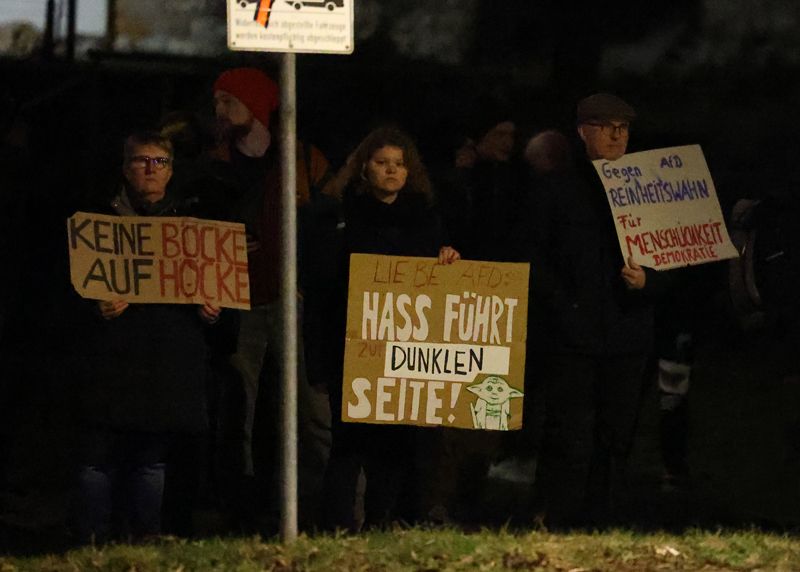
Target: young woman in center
x=388, y=209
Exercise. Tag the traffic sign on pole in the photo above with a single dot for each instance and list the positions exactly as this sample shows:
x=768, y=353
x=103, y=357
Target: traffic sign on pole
x=300, y=26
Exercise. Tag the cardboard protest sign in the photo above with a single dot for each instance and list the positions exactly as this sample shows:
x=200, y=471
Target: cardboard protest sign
x=432, y=344
x=665, y=208
x=177, y=260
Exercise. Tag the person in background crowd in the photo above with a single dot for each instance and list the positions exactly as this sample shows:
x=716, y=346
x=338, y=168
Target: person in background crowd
x=388, y=210
x=15, y=178
x=548, y=152
x=141, y=380
x=597, y=330
x=245, y=100
x=193, y=174
x=192, y=481
x=482, y=196
x=545, y=153
x=485, y=188
x=674, y=355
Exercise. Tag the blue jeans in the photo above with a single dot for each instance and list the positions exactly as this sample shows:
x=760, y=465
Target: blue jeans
x=120, y=486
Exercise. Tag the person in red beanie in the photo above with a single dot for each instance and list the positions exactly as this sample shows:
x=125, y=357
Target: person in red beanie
x=245, y=100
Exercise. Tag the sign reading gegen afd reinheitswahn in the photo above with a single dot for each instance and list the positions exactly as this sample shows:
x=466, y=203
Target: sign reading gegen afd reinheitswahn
x=665, y=208
x=431, y=344
x=303, y=26
x=157, y=260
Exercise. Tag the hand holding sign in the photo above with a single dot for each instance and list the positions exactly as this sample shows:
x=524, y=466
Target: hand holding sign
x=110, y=309
x=448, y=255
x=633, y=275
x=209, y=313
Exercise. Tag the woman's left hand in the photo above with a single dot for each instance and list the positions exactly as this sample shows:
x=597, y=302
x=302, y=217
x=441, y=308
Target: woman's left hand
x=209, y=313
x=448, y=255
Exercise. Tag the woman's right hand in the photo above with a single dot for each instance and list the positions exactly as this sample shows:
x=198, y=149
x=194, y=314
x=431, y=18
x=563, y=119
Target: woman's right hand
x=110, y=309
x=448, y=255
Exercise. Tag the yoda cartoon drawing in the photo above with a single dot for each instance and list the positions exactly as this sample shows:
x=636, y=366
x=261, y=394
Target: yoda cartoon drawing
x=492, y=409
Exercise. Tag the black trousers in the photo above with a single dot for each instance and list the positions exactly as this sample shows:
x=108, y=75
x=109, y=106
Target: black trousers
x=591, y=409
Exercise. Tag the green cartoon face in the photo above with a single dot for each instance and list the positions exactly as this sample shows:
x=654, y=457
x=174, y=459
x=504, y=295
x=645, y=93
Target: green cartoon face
x=494, y=390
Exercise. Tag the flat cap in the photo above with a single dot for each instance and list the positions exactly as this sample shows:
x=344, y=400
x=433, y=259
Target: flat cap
x=604, y=107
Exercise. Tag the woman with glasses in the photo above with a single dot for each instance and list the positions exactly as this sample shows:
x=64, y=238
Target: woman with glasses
x=140, y=382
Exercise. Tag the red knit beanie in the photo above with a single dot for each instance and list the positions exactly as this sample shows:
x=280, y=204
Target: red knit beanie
x=255, y=89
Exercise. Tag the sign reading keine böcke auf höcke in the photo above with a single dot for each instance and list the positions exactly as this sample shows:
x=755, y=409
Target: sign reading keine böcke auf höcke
x=665, y=208
x=176, y=260
x=436, y=345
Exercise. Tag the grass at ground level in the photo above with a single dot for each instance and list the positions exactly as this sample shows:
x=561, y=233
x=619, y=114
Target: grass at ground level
x=426, y=550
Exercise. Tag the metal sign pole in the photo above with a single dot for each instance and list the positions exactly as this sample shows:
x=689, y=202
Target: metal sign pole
x=260, y=28
x=288, y=141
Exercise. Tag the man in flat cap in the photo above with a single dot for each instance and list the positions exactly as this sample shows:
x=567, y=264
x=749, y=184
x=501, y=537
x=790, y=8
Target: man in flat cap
x=596, y=327
x=604, y=124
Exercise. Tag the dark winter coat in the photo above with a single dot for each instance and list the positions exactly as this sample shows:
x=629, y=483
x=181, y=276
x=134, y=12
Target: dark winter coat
x=579, y=300
x=407, y=227
x=253, y=186
x=481, y=204
x=144, y=370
